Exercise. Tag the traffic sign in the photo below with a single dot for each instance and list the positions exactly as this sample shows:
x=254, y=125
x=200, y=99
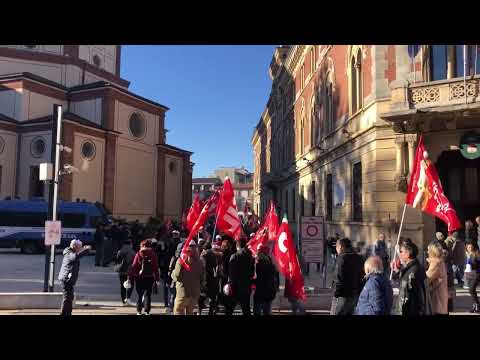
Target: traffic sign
x=312, y=239
x=53, y=232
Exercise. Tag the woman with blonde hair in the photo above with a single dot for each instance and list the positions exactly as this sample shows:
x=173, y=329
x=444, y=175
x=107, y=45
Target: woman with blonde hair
x=376, y=297
x=437, y=278
x=472, y=273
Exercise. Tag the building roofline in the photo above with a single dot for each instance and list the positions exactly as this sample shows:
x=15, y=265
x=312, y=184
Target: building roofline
x=174, y=148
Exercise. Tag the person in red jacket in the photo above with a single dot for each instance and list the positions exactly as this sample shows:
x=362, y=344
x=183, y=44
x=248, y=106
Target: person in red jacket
x=144, y=271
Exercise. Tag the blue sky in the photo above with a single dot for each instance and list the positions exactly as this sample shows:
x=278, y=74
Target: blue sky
x=216, y=95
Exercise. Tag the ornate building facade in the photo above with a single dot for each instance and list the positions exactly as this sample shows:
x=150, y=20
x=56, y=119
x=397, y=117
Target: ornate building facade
x=339, y=131
x=118, y=139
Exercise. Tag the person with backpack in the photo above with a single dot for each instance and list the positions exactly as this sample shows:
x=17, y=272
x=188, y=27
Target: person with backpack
x=123, y=264
x=212, y=260
x=144, y=272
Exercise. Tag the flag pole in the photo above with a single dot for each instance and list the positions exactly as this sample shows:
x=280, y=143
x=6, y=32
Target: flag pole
x=465, y=70
x=398, y=239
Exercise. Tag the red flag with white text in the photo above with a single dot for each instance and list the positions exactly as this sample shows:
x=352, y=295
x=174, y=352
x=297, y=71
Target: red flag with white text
x=266, y=232
x=227, y=217
x=194, y=212
x=425, y=190
x=285, y=253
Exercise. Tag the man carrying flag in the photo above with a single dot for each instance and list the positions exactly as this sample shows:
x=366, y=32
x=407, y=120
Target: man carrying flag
x=286, y=256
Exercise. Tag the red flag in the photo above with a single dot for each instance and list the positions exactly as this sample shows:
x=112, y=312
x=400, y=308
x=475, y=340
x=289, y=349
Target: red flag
x=286, y=255
x=203, y=216
x=266, y=232
x=213, y=207
x=227, y=216
x=425, y=191
x=272, y=221
x=194, y=212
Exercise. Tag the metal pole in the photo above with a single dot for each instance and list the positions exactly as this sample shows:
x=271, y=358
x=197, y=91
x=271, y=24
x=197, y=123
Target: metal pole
x=58, y=119
x=324, y=254
x=398, y=238
x=465, y=70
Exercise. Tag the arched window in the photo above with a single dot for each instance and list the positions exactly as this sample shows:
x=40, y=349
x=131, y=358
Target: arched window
x=356, y=81
x=302, y=136
x=313, y=122
x=328, y=108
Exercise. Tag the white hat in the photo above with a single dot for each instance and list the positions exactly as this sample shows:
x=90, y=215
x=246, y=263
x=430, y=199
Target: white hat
x=218, y=237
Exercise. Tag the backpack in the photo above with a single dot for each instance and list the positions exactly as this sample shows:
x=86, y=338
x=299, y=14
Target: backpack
x=147, y=267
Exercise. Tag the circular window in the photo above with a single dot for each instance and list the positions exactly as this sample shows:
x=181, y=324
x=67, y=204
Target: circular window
x=172, y=166
x=96, y=60
x=30, y=46
x=137, y=125
x=2, y=144
x=38, y=147
x=88, y=150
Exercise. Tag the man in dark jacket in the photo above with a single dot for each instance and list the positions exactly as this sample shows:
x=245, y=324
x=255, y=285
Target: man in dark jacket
x=69, y=272
x=348, y=279
x=241, y=269
x=99, y=245
x=124, y=260
x=212, y=259
x=412, y=297
x=266, y=283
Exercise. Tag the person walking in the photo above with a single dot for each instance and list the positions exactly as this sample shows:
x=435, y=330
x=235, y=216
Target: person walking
x=241, y=270
x=266, y=283
x=212, y=260
x=348, y=279
x=124, y=260
x=470, y=233
x=99, y=241
x=144, y=273
x=379, y=249
x=437, y=282
x=376, y=297
x=69, y=270
x=457, y=246
x=477, y=221
x=412, y=298
x=472, y=271
x=188, y=282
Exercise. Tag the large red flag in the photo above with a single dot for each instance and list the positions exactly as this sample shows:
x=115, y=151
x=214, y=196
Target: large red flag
x=227, y=215
x=272, y=221
x=194, y=212
x=286, y=255
x=266, y=232
x=204, y=214
x=425, y=191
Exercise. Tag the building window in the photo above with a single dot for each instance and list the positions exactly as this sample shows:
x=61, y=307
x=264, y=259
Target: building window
x=314, y=200
x=329, y=197
x=302, y=201
x=328, y=108
x=357, y=191
x=97, y=61
x=356, y=81
x=302, y=77
x=88, y=150
x=137, y=125
x=36, y=186
x=438, y=62
x=441, y=55
x=38, y=147
x=2, y=144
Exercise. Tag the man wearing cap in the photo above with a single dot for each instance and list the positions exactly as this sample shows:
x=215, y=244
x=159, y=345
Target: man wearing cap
x=188, y=282
x=69, y=272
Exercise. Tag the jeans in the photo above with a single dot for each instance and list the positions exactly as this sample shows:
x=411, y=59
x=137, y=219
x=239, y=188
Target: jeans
x=262, y=308
x=472, y=288
x=67, y=302
x=144, y=286
x=297, y=306
x=166, y=294
x=172, y=294
x=458, y=271
x=125, y=293
x=344, y=305
x=244, y=301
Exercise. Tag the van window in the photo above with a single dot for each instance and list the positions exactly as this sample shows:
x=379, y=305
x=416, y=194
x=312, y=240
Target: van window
x=72, y=220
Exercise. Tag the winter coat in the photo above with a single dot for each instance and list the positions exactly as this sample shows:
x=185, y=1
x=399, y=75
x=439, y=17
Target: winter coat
x=349, y=274
x=266, y=281
x=437, y=286
x=212, y=261
x=376, y=297
x=458, y=253
x=70, y=265
x=137, y=263
x=124, y=259
x=241, y=269
x=189, y=283
x=412, y=297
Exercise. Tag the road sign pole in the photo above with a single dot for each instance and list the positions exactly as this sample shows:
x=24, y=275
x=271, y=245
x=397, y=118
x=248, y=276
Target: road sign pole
x=57, y=125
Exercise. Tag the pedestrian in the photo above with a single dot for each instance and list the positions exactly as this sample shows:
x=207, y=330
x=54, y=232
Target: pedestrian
x=477, y=220
x=473, y=272
x=470, y=233
x=376, y=297
x=437, y=282
x=412, y=298
x=458, y=257
x=448, y=248
x=241, y=269
x=188, y=282
x=99, y=241
x=266, y=283
x=124, y=260
x=379, y=248
x=171, y=267
x=226, y=254
x=349, y=276
x=212, y=260
x=69, y=272
x=144, y=273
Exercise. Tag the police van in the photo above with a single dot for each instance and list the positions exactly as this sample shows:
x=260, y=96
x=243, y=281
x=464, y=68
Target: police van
x=22, y=223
